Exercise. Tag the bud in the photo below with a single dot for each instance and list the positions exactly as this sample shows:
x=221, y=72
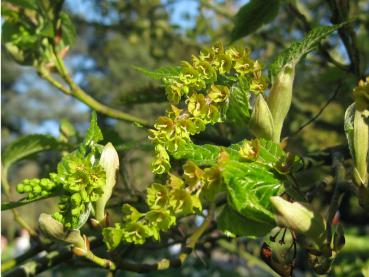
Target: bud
x=357, y=133
x=361, y=146
x=110, y=162
x=300, y=218
x=55, y=230
x=261, y=121
x=280, y=97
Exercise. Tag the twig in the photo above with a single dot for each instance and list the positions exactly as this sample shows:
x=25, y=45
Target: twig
x=331, y=98
x=221, y=11
x=76, y=92
x=51, y=259
x=24, y=201
x=249, y=258
x=13, y=262
x=323, y=157
x=41, y=264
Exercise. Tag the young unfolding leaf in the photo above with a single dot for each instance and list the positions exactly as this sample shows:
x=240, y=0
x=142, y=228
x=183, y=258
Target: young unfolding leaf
x=94, y=134
x=292, y=55
x=261, y=121
x=29, y=145
x=109, y=160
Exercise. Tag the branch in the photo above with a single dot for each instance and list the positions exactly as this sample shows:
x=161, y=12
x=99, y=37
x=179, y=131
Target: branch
x=75, y=91
x=217, y=9
x=51, y=259
x=24, y=201
x=249, y=258
x=333, y=96
x=11, y=263
x=41, y=264
x=323, y=157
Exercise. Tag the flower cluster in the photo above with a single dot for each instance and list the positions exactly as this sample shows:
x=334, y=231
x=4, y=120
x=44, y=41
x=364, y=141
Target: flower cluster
x=83, y=180
x=79, y=181
x=178, y=197
x=205, y=86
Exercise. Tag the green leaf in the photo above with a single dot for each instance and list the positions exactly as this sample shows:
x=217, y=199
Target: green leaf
x=298, y=49
x=269, y=152
x=160, y=73
x=206, y=154
x=47, y=30
x=203, y=155
x=239, y=106
x=112, y=236
x=234, y=224
x=69, y=33
x=29, y=145
x=94, y=133
x=250, y=185
x=252, y=16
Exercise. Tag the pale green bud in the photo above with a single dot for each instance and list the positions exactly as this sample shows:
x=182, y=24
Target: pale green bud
x=261, y=121
x=280, y=97
x=361, y=146
x=110, y=162
x=53, y=229
x=300, y=218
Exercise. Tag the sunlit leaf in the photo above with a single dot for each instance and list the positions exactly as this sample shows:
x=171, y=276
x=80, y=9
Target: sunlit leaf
x=299, y=49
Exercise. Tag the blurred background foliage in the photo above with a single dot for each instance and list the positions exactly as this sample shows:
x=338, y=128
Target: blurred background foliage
x=113, y=36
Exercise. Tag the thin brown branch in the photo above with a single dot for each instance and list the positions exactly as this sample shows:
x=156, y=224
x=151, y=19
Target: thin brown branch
x=315, y=117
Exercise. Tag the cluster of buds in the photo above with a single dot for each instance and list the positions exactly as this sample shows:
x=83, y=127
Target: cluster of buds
x=36, y=187
x=205, y=86
x=79, y=181
x=82, y=180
